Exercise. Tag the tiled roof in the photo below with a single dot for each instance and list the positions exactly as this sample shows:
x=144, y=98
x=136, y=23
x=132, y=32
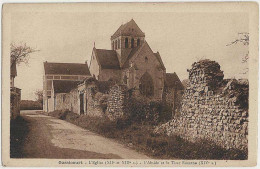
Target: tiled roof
x=107, y=58
x=127, y=29
x=173, y=81
x=66, y=68
x=64, y=86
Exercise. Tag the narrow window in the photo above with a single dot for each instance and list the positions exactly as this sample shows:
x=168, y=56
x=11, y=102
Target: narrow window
x=116, y=45
x=132, y=42
x=138, y=42
x=126, y=42
x=146, y=59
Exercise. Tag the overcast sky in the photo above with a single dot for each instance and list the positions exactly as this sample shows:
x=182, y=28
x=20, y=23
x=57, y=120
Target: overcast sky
x=181, y=39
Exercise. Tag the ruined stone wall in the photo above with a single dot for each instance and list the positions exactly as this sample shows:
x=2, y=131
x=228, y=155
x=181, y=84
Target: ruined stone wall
x=117, y=102
x=93, y=106
x=212, y=108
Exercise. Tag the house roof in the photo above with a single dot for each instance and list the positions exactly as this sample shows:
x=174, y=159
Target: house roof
x=66, y=68
x=128, y=29
x=107, y=58
x=64, y=86
x=173, y=81
x=13, y=72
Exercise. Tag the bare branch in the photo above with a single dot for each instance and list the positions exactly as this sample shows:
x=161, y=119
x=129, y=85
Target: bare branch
x=20, y=53
x=243, y=37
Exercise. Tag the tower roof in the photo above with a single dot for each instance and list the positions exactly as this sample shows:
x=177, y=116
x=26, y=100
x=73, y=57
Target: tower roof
x=128, y=29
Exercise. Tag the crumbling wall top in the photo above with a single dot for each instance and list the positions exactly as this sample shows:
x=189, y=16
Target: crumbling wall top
x=206, y=73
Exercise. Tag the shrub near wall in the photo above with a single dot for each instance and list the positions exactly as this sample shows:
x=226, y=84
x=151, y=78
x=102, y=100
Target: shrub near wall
x=142, y=110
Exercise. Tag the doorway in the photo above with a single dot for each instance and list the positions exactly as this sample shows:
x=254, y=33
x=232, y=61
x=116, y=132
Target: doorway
x=81, y=98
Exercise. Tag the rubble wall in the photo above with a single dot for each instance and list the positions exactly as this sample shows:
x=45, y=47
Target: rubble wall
x=93, y=105
x=212, y=108
x=117, y=102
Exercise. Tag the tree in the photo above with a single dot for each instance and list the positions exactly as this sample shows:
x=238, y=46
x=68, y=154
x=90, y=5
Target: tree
x=243, y=37
x=20, y=53
x=39, y=96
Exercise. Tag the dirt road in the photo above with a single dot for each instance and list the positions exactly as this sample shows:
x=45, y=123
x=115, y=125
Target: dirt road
x=49, y=137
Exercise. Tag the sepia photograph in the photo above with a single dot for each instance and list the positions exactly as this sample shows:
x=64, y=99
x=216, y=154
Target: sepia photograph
x=129, y=84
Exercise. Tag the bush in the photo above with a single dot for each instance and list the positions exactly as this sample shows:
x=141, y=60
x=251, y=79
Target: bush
x=150, y=112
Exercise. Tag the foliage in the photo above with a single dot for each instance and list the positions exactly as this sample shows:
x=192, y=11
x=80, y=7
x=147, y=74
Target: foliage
x=142, y=111
x=30, y=105
x=39, y=96
x=20, y=53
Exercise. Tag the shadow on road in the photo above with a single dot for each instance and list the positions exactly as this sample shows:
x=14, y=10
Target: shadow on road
x=31, y=138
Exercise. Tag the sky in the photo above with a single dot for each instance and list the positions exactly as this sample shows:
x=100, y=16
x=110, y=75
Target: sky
x=181, y=39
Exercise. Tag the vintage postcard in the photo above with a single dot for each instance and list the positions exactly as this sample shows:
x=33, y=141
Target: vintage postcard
x=130, y=84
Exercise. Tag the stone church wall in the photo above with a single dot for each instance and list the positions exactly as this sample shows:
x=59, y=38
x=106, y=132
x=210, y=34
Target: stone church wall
x=150, y=65
x=212, y=108
x=108, y=74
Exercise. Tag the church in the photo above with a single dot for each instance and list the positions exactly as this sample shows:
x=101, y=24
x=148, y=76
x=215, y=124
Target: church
x=130, y=64
x=130, y=61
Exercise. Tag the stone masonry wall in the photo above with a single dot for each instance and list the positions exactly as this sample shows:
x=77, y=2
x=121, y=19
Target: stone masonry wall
x=212, y=108
x=117, y=102
x=93, y=104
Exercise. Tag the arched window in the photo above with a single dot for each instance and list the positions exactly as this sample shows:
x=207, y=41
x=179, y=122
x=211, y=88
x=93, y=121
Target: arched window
x=146, y=85
x=138, y=42
x=132, y=42
x=116, y=45
x=126, y=42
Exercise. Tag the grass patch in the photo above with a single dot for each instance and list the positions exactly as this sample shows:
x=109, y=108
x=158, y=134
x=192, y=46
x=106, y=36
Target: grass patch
x=140, y=136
